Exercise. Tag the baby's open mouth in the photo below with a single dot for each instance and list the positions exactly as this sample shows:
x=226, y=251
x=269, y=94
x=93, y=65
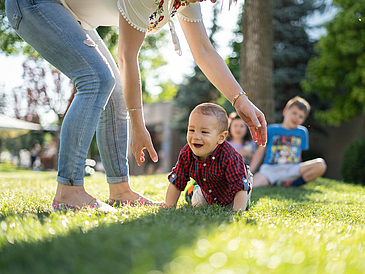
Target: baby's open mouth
x=197, y=145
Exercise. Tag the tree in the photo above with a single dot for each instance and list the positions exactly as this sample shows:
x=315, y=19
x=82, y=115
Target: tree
x=150, y=59
x=42, y=95
x=337, y=73
x=256, y=74
x=10, y=42
x=292, y=48
x=2, y=100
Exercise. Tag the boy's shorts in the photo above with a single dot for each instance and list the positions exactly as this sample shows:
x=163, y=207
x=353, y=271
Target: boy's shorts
x=274, y=173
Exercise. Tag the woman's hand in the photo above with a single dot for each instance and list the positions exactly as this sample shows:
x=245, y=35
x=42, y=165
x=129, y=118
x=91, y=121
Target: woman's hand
x=254, y=119
x=141, y=140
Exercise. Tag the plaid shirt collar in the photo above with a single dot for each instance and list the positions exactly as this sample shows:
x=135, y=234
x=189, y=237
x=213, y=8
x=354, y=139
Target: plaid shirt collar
x=211, y=157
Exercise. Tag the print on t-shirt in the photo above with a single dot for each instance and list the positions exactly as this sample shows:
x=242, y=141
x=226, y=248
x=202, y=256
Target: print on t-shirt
x=284, y=149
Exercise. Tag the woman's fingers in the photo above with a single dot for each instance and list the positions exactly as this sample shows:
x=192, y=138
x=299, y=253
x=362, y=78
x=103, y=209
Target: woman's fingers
x=152, y=152
x=263, y=131
x=254, y=119
x=140, y=141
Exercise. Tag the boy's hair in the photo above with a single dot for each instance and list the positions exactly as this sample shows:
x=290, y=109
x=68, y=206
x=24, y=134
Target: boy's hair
x=216, y=110
x=301, y=103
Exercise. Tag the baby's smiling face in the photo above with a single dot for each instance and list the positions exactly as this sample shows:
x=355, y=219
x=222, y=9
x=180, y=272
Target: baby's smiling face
x=204, y=134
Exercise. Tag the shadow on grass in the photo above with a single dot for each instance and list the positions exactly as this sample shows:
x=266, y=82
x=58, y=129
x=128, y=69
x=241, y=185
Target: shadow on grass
x=147, y=243
x=295, y=194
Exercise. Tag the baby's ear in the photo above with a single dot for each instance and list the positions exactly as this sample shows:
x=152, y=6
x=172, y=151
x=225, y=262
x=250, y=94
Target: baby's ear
x=222, y=136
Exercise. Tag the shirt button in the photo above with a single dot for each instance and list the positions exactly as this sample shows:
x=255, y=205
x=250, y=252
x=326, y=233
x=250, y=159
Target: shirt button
x=210, y=191
x=204, y=179
x=173, y=175
x=215, y=198
x=213, y=158
x=204, y=164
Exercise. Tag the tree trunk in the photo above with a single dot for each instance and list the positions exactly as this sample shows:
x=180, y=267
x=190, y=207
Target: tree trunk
x=256, y=74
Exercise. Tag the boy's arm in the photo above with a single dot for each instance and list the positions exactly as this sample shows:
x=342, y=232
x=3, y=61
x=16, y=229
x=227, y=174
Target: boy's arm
x=172, y=195
x=257, y=159
x=240, y=201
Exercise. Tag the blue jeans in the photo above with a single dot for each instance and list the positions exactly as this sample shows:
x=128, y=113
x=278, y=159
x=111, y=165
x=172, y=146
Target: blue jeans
x=99, y=102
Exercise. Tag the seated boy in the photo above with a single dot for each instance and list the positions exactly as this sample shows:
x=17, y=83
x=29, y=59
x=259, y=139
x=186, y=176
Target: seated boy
x=217, y=168
x=285, y=142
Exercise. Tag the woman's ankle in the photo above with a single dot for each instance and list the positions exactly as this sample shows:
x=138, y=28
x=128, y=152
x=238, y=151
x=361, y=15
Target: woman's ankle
x=122, y=192
x=73, y=195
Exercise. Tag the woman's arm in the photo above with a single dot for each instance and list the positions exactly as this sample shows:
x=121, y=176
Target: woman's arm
x=129, y=44
x=221, y=77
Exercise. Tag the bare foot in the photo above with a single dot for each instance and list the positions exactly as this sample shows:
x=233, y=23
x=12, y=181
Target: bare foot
x=122, y=192
x=72, y=195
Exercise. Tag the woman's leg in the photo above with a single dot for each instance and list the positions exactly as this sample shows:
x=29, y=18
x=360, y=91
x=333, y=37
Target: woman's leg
x=112, y=137
x=112, y=134
x=51, y=30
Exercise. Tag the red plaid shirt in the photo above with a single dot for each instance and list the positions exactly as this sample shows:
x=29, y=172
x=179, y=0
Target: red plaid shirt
x=220, y=177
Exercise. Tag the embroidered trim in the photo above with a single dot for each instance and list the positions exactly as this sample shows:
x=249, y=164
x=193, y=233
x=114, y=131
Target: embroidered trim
x=156, y=17
x=177, y=5
x=128, y=20
x=190, y=20
x=159, y=14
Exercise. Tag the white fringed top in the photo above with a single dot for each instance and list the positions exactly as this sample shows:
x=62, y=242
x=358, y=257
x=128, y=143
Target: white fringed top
x=144, y=15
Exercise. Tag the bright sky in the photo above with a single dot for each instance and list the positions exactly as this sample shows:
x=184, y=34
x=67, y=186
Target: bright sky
x=11, y=67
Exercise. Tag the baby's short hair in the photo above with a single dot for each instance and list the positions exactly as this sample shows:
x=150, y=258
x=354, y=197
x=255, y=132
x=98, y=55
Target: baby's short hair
x=216, y=110
x=301, y=103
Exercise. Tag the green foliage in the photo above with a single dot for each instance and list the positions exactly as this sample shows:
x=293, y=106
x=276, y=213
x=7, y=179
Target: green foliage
x=13, y=145
x=168, y=93
x=10, y=42
x=9, y=167
x=353, y=163
x=196, y=89
x=291, y=52
x=313, y=229
x=150, y=60
x=337, y=74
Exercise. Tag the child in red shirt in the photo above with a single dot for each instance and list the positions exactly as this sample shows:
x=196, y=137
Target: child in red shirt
x=217, y=168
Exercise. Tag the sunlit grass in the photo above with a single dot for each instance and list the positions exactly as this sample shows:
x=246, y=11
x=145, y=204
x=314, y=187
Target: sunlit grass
x=317, y=228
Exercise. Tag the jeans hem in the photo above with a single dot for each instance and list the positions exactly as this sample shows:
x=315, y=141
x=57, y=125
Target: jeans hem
x=69, y=182
x=117, y=180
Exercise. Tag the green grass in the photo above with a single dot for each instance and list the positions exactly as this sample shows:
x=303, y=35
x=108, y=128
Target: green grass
x=317, y=228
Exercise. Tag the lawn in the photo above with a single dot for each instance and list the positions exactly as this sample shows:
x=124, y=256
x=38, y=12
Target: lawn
x=318, y=228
